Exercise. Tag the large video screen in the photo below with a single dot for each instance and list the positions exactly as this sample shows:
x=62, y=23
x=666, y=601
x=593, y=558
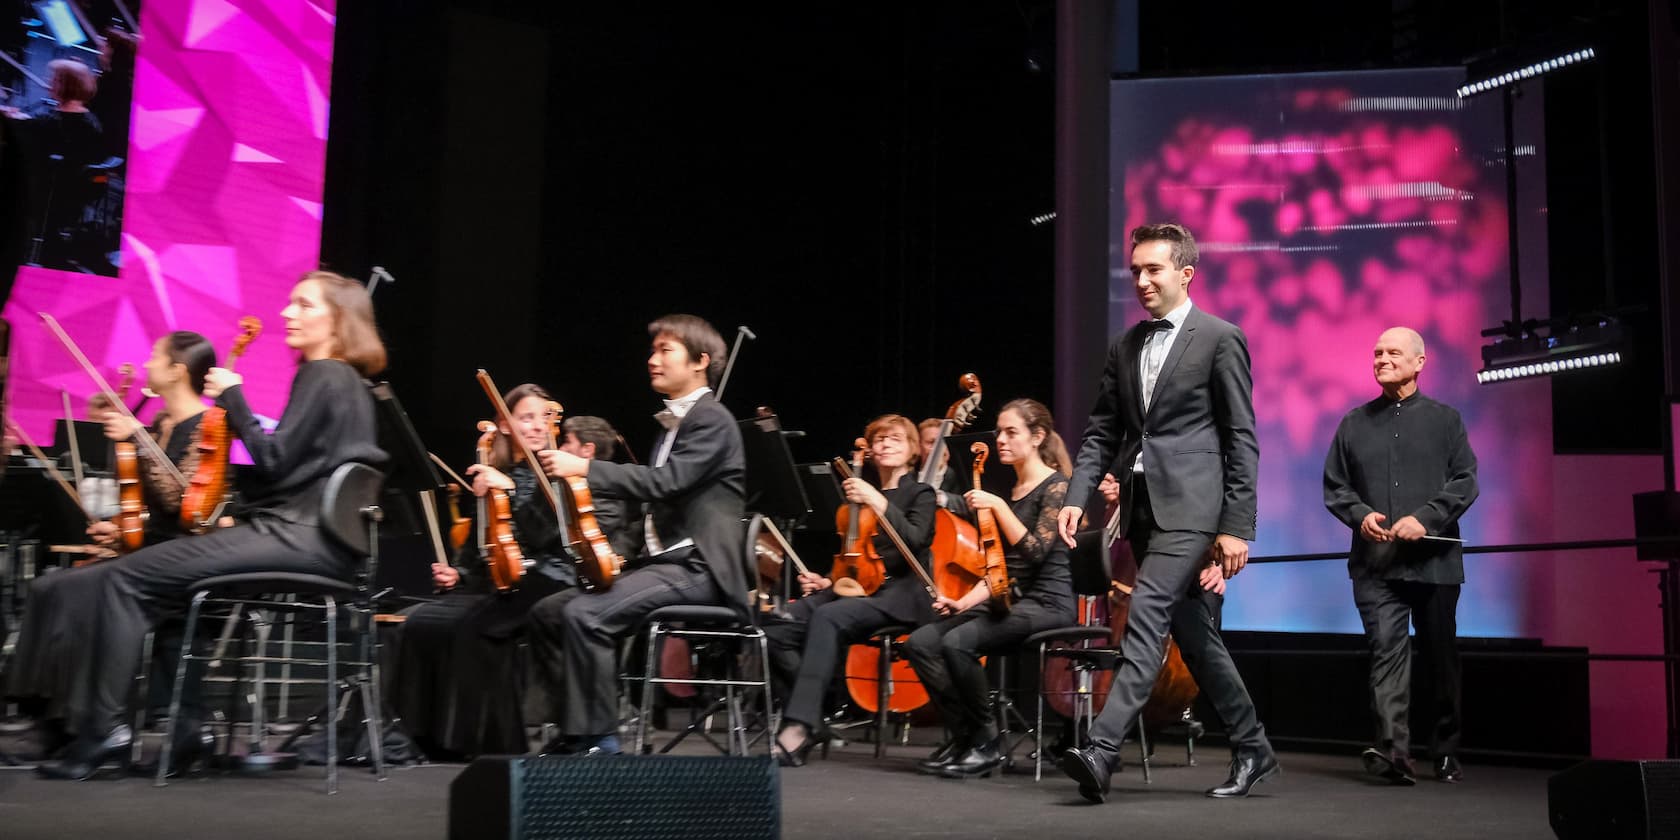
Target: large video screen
x=1329, y=207
x=209, y=205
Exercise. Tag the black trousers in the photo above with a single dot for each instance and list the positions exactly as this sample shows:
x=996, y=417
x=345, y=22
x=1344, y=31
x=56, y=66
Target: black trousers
x=832, y=625
x=946, y=655
x=574, y=637
x=141, y=590
x=1386, y=607
x=457, y=683
x=1169, y=598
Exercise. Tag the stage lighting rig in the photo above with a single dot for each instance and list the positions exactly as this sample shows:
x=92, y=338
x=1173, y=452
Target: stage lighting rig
x=1490, y=76
x=1545, y=348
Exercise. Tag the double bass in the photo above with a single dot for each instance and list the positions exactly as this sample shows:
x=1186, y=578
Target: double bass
x=958, y=561
x=207, y=492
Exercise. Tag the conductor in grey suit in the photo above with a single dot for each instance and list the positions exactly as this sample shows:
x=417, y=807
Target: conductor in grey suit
x=1175, y=407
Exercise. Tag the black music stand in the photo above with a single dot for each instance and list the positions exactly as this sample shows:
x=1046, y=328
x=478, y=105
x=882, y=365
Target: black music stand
x=404, y=534
x=32, y=505
x=775, y=487
x=90, y=439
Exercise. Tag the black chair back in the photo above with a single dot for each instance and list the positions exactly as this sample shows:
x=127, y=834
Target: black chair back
x=1089, y=565
x=350, y=490
x=750, y=560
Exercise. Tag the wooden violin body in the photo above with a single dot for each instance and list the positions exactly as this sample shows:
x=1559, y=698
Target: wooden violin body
x=503, y=560
x=208, y=488
x=858, y=569
x=598, y=565
x=991, y=541
x=131, y=511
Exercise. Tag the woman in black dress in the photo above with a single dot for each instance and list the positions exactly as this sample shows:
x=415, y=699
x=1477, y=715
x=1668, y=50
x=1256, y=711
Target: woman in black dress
x=458, y=686
x=328, y=422
x=822, y=625
x=946, y=654
x=54, y=632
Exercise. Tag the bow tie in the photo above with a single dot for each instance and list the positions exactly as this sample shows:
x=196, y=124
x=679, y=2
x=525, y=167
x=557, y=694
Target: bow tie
x=1159, y=325
x=668, y=419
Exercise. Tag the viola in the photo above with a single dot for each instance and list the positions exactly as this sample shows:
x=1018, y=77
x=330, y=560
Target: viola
x=496, y=545
x=131, y=510
x=598, y=564
x=991, y=541
x=958, y=562
x=207, y=492
x=857, y=566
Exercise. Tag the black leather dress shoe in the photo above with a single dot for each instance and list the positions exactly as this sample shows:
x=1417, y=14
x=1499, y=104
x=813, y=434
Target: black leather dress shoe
x=1395, y=767
x=946, y=753
x=980, y=760
x=190, y=752
x=83, y=758
x=1247, y=770
x=1091, y=768
x=1447, y=769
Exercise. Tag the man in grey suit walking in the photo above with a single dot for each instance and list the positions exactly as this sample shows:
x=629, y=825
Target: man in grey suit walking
x=1175, y=407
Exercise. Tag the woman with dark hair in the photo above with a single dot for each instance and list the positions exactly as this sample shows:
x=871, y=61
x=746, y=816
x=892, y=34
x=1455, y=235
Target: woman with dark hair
x=458, y=685
x=328, y=422
x=53, y=636
x=823, y=625
x=946, y=654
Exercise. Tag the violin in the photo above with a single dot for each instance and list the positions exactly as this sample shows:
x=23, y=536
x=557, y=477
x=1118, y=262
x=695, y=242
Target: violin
x=958, y=562
x=131, y=511
x=991, y=541
x=496, y=545
x=857, y=566
x=207, y=492
x=597, y=564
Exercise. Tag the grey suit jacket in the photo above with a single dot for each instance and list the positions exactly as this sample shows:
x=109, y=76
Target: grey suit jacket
x=1201, y=459
x=699, y=493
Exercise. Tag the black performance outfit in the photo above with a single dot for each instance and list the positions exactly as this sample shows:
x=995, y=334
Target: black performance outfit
x=458, y=683
x=694, y=498
x=56, y=628
x=1191, y=462
x=1406, y=458
x=946, y=654
x=329, y=421
x=806, y=648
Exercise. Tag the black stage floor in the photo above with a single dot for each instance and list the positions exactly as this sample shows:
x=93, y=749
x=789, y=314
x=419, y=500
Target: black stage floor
x=850, y=795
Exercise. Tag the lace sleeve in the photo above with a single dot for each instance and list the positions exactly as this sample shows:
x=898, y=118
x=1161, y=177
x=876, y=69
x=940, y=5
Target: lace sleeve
x=1041, y=536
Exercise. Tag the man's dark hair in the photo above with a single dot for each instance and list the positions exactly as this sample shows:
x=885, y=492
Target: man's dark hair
x=1183, y=244
x=698, y=337
x=594, y=430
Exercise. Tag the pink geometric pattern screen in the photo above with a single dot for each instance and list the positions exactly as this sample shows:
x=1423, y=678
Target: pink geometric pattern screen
x=223, y=211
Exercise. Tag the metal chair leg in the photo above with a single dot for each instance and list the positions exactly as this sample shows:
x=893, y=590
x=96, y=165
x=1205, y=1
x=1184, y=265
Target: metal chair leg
x=331, y=607
x=372, y=701
x=1143, y=746
x=143, y=687
x=1038, y=720
x=769, y=709
x=883, y=696
x=648, y=666
x=175, y=693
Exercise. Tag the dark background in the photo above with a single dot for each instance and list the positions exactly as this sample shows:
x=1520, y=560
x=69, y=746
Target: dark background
x=854, y=181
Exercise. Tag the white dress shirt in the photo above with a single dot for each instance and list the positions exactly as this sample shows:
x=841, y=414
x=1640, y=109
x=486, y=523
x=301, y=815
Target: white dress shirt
x=670, y=418
x=1156, y=346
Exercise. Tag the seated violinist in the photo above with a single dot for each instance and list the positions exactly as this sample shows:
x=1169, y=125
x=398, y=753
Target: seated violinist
x=52, y=638
x=949, y=485
x=946, y=653
x=826, y=620
x=458, y=686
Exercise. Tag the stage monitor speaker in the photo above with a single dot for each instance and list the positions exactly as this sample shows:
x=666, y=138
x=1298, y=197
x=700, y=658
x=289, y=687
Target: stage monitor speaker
x=621, y=797
x=1609, y=800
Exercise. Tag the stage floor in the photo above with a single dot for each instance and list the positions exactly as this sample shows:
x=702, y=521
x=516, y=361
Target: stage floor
x=850, y=795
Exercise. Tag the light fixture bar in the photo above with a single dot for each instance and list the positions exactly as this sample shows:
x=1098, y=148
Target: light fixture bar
x=1538, y=68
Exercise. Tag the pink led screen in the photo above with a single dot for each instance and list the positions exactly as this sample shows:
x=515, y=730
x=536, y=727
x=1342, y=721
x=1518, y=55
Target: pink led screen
x=1327, y=208
x=223, y=202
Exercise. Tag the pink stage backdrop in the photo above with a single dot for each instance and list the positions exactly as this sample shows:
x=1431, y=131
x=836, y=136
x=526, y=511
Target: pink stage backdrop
x=223, y=210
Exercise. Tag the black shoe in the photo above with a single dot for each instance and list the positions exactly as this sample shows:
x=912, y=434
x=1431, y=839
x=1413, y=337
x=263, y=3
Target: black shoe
x=1091, y=768
x=947, y=752
x=979, y=760
x=1248, y=768
x=190, y=752
x=1394, y=767
x=83, y=759
x=1447, y=769
x=796, y=758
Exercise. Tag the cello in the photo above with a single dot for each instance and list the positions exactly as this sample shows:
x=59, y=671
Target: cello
x=996, y=571
x=863, y=662
x=958, y=561
x=497, y=547
x=207, y=492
